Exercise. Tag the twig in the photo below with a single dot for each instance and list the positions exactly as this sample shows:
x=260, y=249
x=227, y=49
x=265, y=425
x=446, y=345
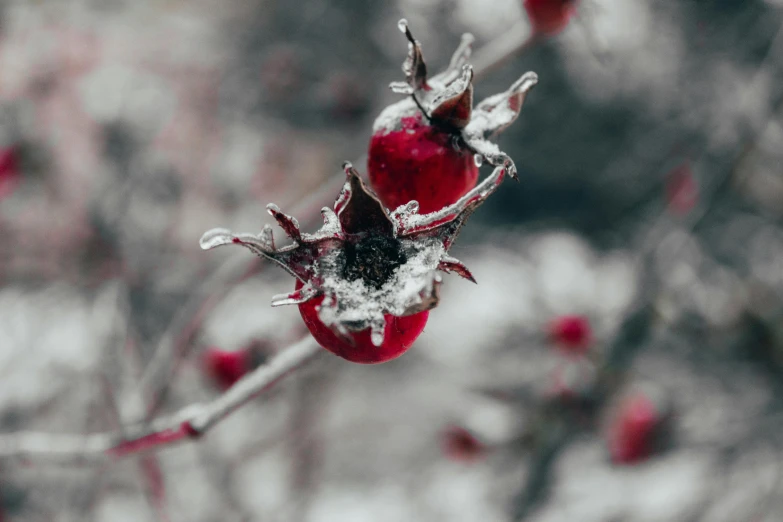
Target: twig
x=172, y=348
x=188, y=423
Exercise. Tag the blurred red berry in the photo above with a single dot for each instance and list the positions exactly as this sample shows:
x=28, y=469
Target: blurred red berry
x=682, y=191
x=398, y=335
x=460, y=445
x=572, y=333
x=426, y=147
x=225, y=368
x=633, y=433
x=10, y=174
x=548, y=17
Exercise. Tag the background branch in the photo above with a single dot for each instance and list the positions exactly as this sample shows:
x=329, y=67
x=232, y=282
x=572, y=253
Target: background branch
x=188, y=423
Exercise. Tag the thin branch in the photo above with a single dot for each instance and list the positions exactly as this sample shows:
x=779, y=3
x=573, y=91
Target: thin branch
x=188, y=423
x=173, y=346
x=497, y=52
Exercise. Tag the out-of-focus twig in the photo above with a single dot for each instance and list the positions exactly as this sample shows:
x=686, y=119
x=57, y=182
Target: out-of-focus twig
x=503, y=48
x=189, y=423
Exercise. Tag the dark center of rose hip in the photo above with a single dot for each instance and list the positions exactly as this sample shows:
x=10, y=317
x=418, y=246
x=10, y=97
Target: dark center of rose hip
x=373, y=259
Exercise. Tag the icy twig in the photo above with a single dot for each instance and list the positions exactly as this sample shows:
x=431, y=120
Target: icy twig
x=188, y=423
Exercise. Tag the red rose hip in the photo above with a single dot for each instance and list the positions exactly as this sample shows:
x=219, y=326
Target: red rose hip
x=548, y=17
x=398, y=335
x=367, y=278
x=427, y=147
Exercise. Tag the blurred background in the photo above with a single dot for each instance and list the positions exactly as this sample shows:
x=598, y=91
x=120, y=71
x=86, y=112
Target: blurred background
x=621, y=358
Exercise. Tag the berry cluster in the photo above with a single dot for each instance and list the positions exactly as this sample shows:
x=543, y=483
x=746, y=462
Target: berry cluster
x=366, y=280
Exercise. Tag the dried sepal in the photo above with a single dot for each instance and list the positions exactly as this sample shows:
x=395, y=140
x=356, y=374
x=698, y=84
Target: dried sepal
x=365, y=213
x=447, y=100
x=365, y=262
x=454, y=104
x=446, y=223
x=414, y=67
x=450, y=264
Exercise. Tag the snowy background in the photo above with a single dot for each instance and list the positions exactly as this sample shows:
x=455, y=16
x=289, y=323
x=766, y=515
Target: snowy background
x=651, y=204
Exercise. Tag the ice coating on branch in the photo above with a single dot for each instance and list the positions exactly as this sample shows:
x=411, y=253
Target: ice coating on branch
x=366, y=262
x=446, y=100
x=497, y=112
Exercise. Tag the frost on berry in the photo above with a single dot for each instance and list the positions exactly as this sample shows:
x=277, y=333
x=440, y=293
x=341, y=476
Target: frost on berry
x=446, y=100
x=364, y=262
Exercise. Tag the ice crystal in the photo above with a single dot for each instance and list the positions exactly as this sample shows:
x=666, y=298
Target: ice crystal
x=366, y=262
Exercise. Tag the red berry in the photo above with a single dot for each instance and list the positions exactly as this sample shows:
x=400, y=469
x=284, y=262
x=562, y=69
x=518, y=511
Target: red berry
x=425, y=147
x=632, y=435
x=398, y=335
x=10, y=174
x=436, y=174
x=549, y=17
x=572, y=333
x=367, y=278
x=460, y=445
x=226, y=367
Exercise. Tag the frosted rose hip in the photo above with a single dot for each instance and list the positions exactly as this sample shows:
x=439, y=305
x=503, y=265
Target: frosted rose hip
x=426, y=147
x=367, y=277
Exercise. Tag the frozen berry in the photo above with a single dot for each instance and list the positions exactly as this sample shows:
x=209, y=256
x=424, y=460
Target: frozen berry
x=398, y=335
x=366, y=278
x=426, y=147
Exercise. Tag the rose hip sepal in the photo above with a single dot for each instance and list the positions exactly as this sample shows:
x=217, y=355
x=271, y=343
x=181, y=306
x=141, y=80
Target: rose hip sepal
x=366, y=278
x=428, y=146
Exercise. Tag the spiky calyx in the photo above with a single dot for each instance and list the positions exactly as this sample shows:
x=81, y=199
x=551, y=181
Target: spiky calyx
x=436, y=134
x=365, y=265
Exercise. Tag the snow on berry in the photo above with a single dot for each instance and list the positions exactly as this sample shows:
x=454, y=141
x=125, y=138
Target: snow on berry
x=427, y=147
x=365, y=266
x=225, y=368
x=548, y=17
